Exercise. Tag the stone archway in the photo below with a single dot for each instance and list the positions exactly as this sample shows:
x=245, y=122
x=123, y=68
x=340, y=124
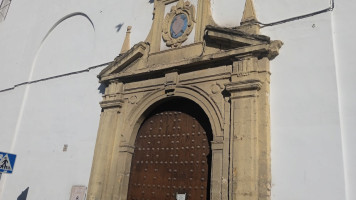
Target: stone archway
x=172, y=153
x=154, y=100
x=225, y=71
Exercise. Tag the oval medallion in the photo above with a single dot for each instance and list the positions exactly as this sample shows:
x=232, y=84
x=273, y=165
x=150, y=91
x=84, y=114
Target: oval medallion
x=179, y=25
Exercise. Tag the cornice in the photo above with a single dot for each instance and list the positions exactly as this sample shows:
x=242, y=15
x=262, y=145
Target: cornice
x=125, y=59
x=228, y=32
x=167, y=1
x=262, y=50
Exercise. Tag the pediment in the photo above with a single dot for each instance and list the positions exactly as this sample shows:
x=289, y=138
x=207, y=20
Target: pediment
x=208, y=43
x=219, y=44
x=127, y=61
x=233, y=37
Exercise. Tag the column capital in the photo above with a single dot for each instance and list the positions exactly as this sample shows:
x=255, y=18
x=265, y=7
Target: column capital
x=112, y=104
x=243, y=86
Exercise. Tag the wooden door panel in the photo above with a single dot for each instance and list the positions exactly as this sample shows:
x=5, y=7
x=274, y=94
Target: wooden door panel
x=170, y=157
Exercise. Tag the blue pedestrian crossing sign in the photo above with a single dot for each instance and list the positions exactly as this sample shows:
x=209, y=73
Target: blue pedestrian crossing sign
x=7, y=162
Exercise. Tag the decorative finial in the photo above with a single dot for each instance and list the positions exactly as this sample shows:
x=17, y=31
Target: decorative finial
x=126, y=44
x=249, y=13
x=249, y=19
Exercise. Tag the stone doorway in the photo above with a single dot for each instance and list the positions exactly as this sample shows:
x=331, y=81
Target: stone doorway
x=172, y=154
x=224, y=71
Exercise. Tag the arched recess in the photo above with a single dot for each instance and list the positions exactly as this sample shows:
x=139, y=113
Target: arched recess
x=145, y=107
x=68, y=46
x=174, y=140
x=151, y=100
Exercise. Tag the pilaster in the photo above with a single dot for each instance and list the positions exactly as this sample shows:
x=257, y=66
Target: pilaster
x=122, y=173
x=204, y=18
x=156, y=31
x=217, y=148
x=111, y=106
x=250, y=145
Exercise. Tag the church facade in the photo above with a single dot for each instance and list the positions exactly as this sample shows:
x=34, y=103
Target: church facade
x=197, y=104
x=224, y=73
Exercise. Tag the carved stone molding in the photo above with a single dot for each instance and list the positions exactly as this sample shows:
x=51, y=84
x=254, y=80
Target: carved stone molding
x=127, y=148
x=178, y=24
x=244, y=86
x=244, y=89
x=217, y=145
x=274, y=49
x=216, y=88
x=171, y=83
x=226, y=72
x=133, y=99
x=112, y=104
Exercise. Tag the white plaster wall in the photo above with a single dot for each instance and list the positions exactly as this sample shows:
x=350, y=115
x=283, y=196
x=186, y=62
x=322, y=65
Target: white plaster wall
x=307, y=159
x=9, y=112
x=29, y=20
x=345, y=48
x=229, y=12
x=65, y=114
x=38, y=119
x=312, y=103
x=74, y=52
x=309, y=143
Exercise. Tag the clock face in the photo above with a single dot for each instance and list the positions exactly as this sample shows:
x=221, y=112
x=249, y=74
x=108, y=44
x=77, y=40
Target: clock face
x=179, y=25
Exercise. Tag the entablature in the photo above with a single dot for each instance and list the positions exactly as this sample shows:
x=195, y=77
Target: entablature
x=191, y=57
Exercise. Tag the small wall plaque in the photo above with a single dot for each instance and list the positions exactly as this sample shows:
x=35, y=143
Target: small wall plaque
x=181, y=196
x=78, y=192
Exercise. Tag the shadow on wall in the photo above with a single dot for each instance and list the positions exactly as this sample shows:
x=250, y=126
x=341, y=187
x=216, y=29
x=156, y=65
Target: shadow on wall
x=23, y=195
x=151, y=1
x=118, y=27
x=101, y=88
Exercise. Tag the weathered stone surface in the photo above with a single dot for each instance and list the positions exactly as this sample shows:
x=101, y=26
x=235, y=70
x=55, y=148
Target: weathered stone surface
x=225, y=72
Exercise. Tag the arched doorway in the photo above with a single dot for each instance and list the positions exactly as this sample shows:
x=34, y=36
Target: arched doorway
x=172, y=154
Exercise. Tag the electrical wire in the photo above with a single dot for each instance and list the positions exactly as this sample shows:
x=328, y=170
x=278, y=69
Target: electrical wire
x=329, y=9
x=54, y=77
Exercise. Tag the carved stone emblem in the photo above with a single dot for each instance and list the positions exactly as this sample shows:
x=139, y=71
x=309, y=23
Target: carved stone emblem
x=178, y=24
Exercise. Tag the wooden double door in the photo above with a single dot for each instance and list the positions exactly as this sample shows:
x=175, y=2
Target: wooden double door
x=171, y=158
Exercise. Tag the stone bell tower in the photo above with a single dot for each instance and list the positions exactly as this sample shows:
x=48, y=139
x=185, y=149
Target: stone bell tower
x=185, y=113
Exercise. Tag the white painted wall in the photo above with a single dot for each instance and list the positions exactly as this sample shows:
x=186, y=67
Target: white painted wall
x=306, y=136
x=312, y=103
x=312, y=98
x=49, y=120
x=345, y=47
x=41, y=39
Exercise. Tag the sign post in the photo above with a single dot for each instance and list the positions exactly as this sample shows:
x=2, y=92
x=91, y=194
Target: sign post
x=7, y=162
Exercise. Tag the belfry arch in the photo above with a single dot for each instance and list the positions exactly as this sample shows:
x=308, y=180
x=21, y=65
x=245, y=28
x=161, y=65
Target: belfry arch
x=223, y=72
